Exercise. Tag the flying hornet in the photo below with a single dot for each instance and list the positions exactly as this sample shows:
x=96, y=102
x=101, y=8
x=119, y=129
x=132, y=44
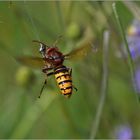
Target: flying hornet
x=52, y=64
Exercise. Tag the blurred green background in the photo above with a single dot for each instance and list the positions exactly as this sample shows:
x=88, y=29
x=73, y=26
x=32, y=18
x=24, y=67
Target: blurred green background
x=103, y=78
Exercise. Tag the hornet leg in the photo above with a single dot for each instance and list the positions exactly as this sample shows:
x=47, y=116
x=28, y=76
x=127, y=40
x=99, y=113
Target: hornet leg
x=45, y=82
x=75, y=88
x=70, y=72
x=46, y=69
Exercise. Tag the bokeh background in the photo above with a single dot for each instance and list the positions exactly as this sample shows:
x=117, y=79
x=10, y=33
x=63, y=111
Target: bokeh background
x=106, y=103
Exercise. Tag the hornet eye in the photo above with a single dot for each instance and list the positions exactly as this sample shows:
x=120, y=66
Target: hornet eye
x=42, y=48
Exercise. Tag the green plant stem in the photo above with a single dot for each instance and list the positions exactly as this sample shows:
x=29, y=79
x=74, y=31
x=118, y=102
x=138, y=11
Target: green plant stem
x=130, y=61
x=104, y=85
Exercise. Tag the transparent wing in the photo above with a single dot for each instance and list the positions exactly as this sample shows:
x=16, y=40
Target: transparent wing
x=80, y=52
x=35, y=62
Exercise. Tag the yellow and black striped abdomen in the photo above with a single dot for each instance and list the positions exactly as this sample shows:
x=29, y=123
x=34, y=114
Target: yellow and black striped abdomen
x=64, y=80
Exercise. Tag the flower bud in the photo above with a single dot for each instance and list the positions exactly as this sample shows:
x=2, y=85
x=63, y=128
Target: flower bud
x=24, y=77
x=73, y=31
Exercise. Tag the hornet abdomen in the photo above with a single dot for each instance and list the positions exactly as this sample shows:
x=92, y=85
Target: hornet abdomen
x=64, y=80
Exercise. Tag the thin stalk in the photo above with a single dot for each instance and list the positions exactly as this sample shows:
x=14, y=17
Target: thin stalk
x=130, y=61
x=104, y=85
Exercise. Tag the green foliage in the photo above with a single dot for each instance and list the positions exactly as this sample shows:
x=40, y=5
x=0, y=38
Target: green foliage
x=105, y=98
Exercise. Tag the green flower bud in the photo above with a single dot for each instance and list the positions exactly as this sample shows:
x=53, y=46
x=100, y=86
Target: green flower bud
x=73, y=31
x=24, y=77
